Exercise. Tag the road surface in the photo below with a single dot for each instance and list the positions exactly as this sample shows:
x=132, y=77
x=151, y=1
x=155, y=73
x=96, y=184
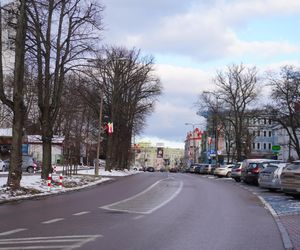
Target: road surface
x=144, y=211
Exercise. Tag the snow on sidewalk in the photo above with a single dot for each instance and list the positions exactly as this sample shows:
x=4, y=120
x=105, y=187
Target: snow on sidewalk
x=34, y=186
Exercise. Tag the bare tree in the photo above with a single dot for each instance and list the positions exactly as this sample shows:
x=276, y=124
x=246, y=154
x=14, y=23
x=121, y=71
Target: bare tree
x=285, y=106
x=237, y=91
x=61, y=34
x=17, y=103
x=130, y=90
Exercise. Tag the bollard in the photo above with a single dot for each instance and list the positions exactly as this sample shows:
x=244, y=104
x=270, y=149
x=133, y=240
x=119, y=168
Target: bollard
x=49, y=182
x=60, y=181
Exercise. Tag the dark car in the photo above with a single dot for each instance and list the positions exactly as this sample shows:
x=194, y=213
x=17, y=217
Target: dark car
x=197, y=169
x=150, y=169
x=173, y=170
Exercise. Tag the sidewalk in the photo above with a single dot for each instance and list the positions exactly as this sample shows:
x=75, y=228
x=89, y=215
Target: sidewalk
x=292, y=226
x=33, y=186
x=286, y=213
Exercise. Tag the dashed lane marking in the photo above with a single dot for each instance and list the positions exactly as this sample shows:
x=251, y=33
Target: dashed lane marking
x=12, y=231
x=52, y=221
x=81, y=213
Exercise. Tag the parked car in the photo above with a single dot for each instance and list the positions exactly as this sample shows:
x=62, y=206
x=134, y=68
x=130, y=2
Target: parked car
x=213, y=168
x=197, y=169
x=173, y=170
x=269, y=177
x=162, y=169
x=236, y=171
x=150, y=169
x=2, y=166
x=290, y=180
x=28, y=164
x=205, y=168
x=223, y=170
x=252, y=167
x=192, y=168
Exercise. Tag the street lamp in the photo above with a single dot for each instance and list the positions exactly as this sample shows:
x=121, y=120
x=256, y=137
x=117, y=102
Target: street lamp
x=194, y=143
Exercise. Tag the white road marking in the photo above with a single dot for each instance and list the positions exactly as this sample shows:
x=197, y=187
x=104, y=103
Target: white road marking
x=138, y=217
x=13, y=231
x=81, y=213
x=52, y=221
x=64, y=242
x=135, y=198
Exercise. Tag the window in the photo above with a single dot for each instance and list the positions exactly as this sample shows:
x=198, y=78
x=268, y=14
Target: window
x=258, y=145
x=258, y=133
x=253, y=145
x=270, y=133
x=270, y=146
x=265, y=133
x=265, y=121
x=270, y=121
x=265, y=146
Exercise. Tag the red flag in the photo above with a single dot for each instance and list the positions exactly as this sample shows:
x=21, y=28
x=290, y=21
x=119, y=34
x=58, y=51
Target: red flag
x=110, y=126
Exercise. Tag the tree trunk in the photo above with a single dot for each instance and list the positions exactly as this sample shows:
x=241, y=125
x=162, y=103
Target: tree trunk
x=15, y=171
x=19, y=109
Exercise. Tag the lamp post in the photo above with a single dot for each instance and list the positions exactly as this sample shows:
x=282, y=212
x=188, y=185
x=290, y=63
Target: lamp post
x=194, y=143
x=99, y=135
x=97, y=162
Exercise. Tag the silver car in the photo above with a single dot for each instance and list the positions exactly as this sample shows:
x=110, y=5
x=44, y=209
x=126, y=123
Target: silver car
x=224, y=170
x=270, y=177
x=236, y=171
x=290, y=180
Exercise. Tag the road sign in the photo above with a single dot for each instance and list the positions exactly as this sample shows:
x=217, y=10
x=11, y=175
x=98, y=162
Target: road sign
x=276, y=148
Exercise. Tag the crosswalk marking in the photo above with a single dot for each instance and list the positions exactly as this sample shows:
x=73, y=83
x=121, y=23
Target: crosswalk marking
x=51, y=242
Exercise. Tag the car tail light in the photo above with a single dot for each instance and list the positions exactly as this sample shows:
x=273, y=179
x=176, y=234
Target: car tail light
x=255, y=170
x=238, y=170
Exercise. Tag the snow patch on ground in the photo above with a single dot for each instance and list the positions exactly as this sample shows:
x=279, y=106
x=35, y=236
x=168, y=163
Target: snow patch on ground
x=34, y=186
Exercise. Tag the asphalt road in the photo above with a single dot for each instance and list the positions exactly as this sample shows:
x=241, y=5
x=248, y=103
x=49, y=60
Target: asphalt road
x=144, y=211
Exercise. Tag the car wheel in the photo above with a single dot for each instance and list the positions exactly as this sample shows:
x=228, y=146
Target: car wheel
x=228, y=175
x=237, y=179
x=30, y=170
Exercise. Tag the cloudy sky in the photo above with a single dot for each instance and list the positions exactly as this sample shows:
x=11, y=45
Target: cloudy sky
x=192, y=39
